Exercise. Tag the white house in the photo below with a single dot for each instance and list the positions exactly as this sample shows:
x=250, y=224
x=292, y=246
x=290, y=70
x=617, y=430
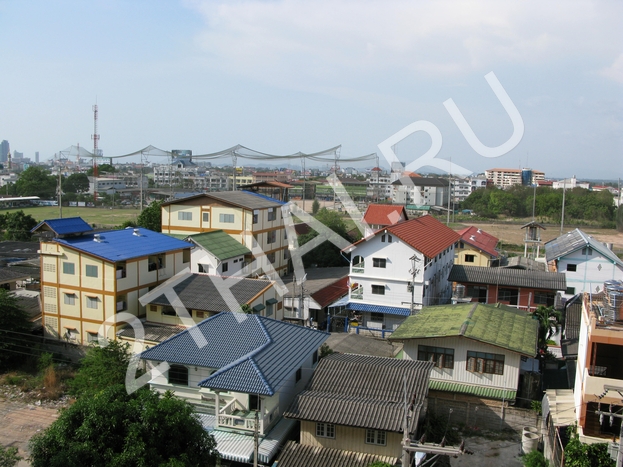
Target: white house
x=476, y=348
x=400, y=268
x=245, y=365
x=586, y=262
x=217, y=252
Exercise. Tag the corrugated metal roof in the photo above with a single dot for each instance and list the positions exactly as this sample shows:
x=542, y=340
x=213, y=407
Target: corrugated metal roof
x=499, y=325
x=222, y=245
x=384, y=214
x=251, y=354
x=153, y=332
x=480, y=239
x=298, y=455
x=573, y=241
x=390, y=310
x=331, y=292
x=64, y=226
x=12, y=274
x=362, y=391
x=121, y=245
x=541, y=280
x=480, y=391
x=203, y=291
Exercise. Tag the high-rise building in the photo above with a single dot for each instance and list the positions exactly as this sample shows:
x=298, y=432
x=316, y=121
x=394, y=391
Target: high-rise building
x=37, y=157
x=5, y=148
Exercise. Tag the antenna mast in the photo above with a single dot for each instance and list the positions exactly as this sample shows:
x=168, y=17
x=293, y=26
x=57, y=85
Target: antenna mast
x=95, y=138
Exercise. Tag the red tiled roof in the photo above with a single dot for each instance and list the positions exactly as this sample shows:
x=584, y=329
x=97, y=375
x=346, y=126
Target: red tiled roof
x=381, y=214
x=328, y=295
x=479, y=239
x=426, y=234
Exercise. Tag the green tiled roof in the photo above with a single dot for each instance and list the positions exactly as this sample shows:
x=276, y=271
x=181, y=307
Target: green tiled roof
x=220, y=244
x=498, y=325
x=480, y=391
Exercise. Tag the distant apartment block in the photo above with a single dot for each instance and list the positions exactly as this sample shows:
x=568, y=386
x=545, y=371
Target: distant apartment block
x=505, y=178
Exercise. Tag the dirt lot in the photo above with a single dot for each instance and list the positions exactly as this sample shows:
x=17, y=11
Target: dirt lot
x=490, y=453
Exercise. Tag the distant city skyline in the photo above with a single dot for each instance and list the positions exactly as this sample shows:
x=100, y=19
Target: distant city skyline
x=286, y=76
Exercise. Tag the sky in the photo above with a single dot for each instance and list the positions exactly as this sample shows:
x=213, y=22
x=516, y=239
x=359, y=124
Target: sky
x=287, y=75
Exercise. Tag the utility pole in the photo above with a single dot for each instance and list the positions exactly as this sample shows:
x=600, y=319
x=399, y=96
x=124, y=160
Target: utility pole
x=256, y=438
x=562, y=217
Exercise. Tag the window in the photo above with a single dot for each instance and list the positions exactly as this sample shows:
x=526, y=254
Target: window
x=544, y=298
x=377, y=317
x=206, y=217
x=156, y=262
x=184, y=216
x=271, y=237
x=383, y=238
x=325, y=430
x=205, y=268
x=91, y=336
x=185, y=256
x=272, y=214
x=375, y=437
x=389, y=238
x=508, y=295
x=271, y=257
x=570, y=291
x=254, y=402
x=378, y=289
x=299, y=373
x=92, y=302
x=572, y=267
x=168, y=311
x=224, y=267
x=269, y=309
x=481, y=362
x=178, y=374
x=153, y=307
x=120, y=270
x=256, y=216
x=199, y=314
x=440, y=356
x=226, y=218
x=470, y=258
x=91, y=271
x=70, y=299
x=379, y=262
x=69, y=268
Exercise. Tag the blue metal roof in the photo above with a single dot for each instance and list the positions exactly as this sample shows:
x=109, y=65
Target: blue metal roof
x=65, y=226
x=251, y=354
x=390, y=310
x=121, y=245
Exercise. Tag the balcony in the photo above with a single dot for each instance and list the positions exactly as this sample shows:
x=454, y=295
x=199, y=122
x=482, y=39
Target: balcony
x=359, y=267
x=121, y=306
x=293, y=313
x=356, y=294
x=595, y=386
x=235, y=416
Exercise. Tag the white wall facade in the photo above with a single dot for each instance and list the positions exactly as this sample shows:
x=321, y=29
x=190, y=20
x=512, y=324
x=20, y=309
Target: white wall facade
x=592, y=269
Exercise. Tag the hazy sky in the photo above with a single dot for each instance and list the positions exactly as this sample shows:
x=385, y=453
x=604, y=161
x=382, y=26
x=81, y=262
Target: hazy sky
x=287, y=76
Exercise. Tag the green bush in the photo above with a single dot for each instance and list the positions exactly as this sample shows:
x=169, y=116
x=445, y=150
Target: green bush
x=534, y=459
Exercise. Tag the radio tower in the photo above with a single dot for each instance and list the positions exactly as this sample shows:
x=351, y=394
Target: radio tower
x=96, y=138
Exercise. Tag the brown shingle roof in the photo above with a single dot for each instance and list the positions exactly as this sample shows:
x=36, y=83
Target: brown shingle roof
x=384, y=214
x=426, y=234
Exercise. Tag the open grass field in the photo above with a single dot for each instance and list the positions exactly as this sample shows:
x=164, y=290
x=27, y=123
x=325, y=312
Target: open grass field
x=101, y=217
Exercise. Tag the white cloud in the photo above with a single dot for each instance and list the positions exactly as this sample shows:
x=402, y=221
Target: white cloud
x=615, y=71
x=299, y=44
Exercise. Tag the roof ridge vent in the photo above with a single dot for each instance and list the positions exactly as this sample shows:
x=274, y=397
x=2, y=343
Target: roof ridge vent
x=478, y=231
x=136, y=232
x=97, y=238
x=471, y=237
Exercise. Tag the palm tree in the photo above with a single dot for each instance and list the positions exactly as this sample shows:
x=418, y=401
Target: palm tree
x=548, y=319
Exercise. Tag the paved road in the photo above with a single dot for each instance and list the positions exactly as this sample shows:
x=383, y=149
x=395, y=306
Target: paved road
x=20, y=421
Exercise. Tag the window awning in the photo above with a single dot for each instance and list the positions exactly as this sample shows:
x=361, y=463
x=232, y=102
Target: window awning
x=271, y=301
x=389, y=310
x=258, y=308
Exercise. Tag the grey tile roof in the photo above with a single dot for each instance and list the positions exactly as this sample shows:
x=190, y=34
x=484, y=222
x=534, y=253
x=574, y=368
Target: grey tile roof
x=12, y=274
x=541, y=280
x=362, y=391
x=297, y=455
x=573, y=317
x=251, y=354
x=317, y=279
x=201, y=292
x=573, y=241
x=244, y=199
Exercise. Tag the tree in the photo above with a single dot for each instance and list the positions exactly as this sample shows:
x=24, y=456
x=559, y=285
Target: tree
x=13, y=319
x=620, y=218
x=36, y=181
x=151, y=217
x=101, y=170
x=17, y=226
x=315, y=207
x=578, y=454
x=76, y=183
x=548, y=320
x=113, y=427
x=101, y=368
x=8, y=456
x=326, y=254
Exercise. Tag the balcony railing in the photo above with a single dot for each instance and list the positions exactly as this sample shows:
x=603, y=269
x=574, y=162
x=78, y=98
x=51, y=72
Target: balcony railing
x=121, y=306
x=359, y=267
x=356, y=294
x=233, y=415
x=297, y=314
